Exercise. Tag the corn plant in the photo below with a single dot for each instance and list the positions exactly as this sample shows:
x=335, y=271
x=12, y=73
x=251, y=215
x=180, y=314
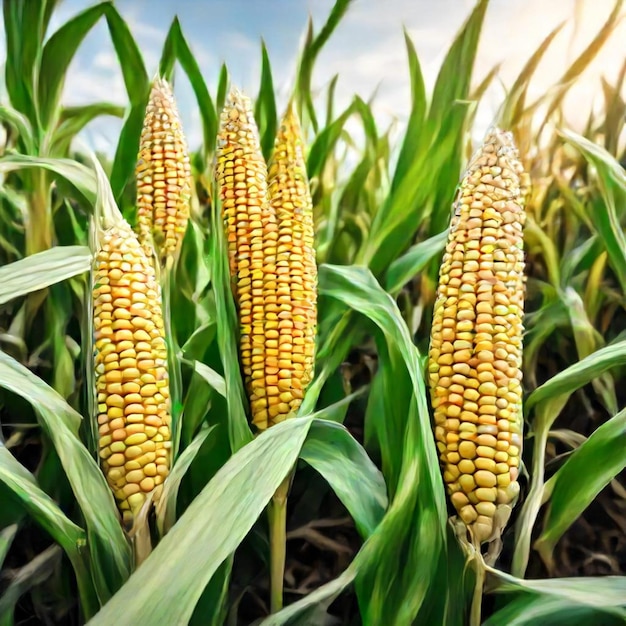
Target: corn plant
x=345, y=458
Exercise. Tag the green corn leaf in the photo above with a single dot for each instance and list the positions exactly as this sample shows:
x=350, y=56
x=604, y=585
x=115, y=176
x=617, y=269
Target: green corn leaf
x=336, y=455
x=222, y=88
x=312, y=47
x=41, y=270
x=75, y=173
x=531, y=609
x=56, y=57
x=415, y=127
x=612, y=182
x=357, y=288
x=382, y=587
x=212, y=377
x=49, y=516
x=413, y=261
x=22, y=53
x=574, y=487
x=583, y=60
x=107, y=544
x=22, y=125
x=311, y=609
x=588, y=340
x=166, y=508
x=73, y=119
x=39, y=505
x=325, y=142
x=176, y=43
x=454, y=78
x=138, y=90
x=35, y=572
x=265, y=106
x=227, y=335
x=7, y=535
x=208, y=532
x=579, y=374
x=600, y=592
x=513, y=107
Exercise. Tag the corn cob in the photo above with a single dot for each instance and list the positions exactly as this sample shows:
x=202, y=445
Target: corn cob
x=293, y=321
x=476, y=341
x=251, y=233
x=275, y=298
x=163, y=175
x=130, y=370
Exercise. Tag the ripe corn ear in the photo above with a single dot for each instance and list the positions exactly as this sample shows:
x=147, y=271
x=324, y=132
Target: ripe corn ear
x=271, y=259
x=163, y=175
x=251, y=233
x=475, y=350
x=292, y=321
x=132, y=384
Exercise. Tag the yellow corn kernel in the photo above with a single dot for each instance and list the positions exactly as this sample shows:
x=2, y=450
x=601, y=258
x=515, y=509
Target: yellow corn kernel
x=163, y=176
x=477, y=333
x=122, y=277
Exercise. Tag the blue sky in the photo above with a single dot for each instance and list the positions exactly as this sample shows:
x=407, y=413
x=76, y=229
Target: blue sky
x=367, y=50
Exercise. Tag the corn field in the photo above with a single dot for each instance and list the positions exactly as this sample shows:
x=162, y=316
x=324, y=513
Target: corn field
x=295, y=376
